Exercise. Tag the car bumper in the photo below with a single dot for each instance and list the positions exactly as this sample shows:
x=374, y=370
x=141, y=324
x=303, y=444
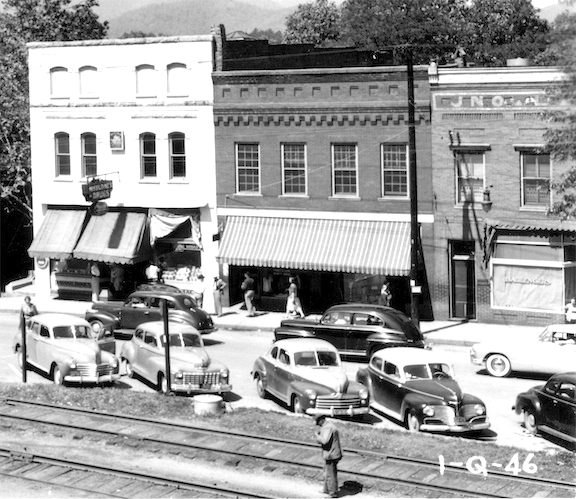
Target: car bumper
x=106, y=378
x=200, y=389
x=349, y=411
x=463, y=428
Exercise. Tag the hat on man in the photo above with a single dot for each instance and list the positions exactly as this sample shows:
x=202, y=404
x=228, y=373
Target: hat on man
x=319, y=417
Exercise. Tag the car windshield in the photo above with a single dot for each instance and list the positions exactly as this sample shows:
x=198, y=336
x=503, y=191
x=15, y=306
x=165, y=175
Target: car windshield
x=72, y=332
x=316, y=359
x=427, y=371
x=184, y=340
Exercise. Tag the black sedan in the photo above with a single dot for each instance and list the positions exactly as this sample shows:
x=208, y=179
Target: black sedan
x=417, y=388
x=356, y=329
x=145, y=306
x=551, y=408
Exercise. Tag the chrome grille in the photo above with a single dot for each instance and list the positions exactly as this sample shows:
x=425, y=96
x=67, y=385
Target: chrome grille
x=444, y=414
x=92, y=370
x=468, y=412
x=211, y=378
x=338, y=401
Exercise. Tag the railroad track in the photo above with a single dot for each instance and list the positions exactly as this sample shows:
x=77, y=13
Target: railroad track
x=382, y=472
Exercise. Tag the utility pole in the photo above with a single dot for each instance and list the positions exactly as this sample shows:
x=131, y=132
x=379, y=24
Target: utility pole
x=415, y=289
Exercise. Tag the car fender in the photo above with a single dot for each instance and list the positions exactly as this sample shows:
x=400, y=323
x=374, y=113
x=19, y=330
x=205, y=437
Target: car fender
x=467, y=398
x=527, y=401
x=105, y=317
x=260, y=369
x=363, y=376
x=300, y=387
x=415, y=402
x=283, y=333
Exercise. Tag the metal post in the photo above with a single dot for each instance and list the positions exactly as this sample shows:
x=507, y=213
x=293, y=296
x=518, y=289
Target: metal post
x=167, y=344
x=23, y=346
x=414, y=230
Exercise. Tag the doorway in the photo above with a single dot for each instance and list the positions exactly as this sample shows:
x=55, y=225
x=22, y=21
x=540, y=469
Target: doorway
x=462, y=280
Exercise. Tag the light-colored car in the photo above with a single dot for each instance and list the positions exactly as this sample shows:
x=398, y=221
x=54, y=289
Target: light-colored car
x=64, y=347
x=554, y=351
x=417, y=387
x=191, y=369
x=307, y=375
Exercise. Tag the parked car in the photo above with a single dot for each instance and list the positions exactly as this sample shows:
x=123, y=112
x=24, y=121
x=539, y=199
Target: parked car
x=64, y=347
x=417, y=388
x=550, y=408
x=554, y=351
x=307, y=375
x=145, y=306
x=192, y=370
x=356, y=329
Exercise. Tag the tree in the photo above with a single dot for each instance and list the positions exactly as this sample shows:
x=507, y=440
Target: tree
x=268, y=34
x=317, y=23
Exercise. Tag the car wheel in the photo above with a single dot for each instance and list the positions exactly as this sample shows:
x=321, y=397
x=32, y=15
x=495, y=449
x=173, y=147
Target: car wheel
x=412, y=422
x=530, y=421
x=57, y=376
x=20, y=359
x=260, y=387
x=498, y=365
x=163, y=383
x=97, y=327
x=128, y=368
x=297, y=405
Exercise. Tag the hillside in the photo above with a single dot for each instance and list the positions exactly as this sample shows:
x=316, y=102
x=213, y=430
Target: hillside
x=549, y=13
x=191, y=17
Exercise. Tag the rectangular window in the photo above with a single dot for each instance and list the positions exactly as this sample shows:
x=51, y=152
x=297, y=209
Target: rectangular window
x=344, y=169
x=395, y=170
x=248, y=167
x=177, y=155
x=62, y=144
x=294, y=168
x=89, y=161
x=470, y=174
x=148, y=155
x=535, y=179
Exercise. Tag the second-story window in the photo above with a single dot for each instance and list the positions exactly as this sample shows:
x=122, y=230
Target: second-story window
x=88, y=82
x=344, y=169
x=470, y=177
x=177, y=155
x=59, y=83
x=395, y=170
x=62, y=146
x=535, y=179
x=145, y=81
x=248, y=167
x=89, y=159
x=148, y=155
x=294, y=168
x=177, y=83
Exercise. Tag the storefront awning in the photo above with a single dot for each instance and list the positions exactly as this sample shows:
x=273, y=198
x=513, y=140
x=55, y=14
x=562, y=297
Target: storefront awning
x=544, y=225
x=58, y=234
x=368, y=247
x=116, y=237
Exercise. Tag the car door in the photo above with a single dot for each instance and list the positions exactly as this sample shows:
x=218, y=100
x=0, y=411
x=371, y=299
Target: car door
x=32, y=337
x=283, y=374
x=149, y=355
x=269, y=361
x=392, y=388
x=137, y=342
x=566, y=422
x=362, y=326
x=375, y=371
x=45, y=347
x=552, y=355
x=549, y=404
x=137, y=310
x=334, y=327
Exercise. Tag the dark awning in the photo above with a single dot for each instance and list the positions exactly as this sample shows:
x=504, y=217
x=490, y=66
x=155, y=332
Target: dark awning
x=116, y=237
x=540, y=225
x=58, y=234
x=368, y=247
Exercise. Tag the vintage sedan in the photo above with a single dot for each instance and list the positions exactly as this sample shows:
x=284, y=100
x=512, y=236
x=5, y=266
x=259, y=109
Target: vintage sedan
x=356, y=329
x=64, y=347
x=307, y=375
x=554, y=351
x=417, y=388
x=550, y=408
x=145, y=306
x=191, y=369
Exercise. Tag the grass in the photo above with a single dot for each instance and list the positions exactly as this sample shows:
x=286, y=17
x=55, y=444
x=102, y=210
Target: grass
x=559, y=465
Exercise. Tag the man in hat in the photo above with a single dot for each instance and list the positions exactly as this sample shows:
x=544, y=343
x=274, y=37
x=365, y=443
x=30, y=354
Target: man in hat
x=328, y=437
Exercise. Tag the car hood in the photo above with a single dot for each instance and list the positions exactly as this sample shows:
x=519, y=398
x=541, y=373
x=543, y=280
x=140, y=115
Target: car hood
x=444, y=389
x=80, y=349
x=298, y=322
x=107, y=305
x=332, y=377
x=198, y=357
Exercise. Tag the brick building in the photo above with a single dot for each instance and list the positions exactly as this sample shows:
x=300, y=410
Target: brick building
x=498, y=257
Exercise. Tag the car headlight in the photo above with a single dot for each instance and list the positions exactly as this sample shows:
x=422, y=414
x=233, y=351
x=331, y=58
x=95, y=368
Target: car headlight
x=311, y=394
x=428, y=410
x=472, y=352
x=224, y=374
x=479, y=409
x=73, y=364
x=178, y=375
x=114, y=363
x=363, y=394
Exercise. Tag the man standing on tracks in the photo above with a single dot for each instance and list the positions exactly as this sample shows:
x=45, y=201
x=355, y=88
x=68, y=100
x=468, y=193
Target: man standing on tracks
x=328, y=437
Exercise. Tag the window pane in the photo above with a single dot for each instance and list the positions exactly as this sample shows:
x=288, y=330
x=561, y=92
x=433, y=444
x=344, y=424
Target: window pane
x=63, y=165
x=344, y=165
x=177, y=155
x=149, y=166
x=470, y=170
x=89, y=143
x=248, y=167
x=294, y=158
x=90, y=166
x=536, y=175
x=62, y=146
x=395, y=170
x=148, y=154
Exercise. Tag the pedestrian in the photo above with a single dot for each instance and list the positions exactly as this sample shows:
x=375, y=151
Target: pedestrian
x=27, y=310
x=95, y=281
x=219, y=286
x=385, y=294
x=117, y=279
x=248, y=288
x=293, y=304
x=570, y=311
x=198, y=289
x=152, y=272
x=329, y=439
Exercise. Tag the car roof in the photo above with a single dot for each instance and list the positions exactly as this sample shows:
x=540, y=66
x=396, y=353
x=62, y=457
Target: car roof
x=160, y=294
x=569, y=376
x=410, y=355
x=562, y=328
x=157, y=327
x=363, y=307
x=299, y=344
x=58, y=319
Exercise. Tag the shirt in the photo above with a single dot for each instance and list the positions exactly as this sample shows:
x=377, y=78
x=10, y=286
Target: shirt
x=329, y=439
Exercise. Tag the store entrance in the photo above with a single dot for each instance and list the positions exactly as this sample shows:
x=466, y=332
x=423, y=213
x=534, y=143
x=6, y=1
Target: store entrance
x=462, y=280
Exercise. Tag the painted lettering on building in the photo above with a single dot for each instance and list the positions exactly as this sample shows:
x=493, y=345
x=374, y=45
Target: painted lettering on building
x=490, y=101
x=527, y=280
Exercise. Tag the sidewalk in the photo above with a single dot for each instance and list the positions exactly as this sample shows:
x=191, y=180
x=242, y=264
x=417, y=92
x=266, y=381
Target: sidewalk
x=435, y=332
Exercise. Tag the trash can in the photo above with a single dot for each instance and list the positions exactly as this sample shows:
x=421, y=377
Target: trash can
x=205, y=405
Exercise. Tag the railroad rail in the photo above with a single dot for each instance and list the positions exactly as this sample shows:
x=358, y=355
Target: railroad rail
x=410, y=477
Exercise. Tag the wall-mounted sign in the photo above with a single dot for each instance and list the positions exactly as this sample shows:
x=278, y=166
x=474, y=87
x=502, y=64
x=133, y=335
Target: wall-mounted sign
x=42, y=262
x=97, y=189
x=117, y=141
x=99, y=208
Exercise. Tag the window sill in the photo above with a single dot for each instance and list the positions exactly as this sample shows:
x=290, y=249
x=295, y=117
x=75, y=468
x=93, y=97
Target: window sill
x=403, y=199
x=149, y=180
x=537, y=208
x=248, y=194
x=344, y=198
x=60, y=97
x=144, y=96
x=89, y=97
x=181, y=96
x=62, y=178
x=299, y=196
x=178, y=181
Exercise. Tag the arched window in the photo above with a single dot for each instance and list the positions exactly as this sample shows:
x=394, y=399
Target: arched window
x=177, y=155
x=88, y=81
x=148, y=155
x=59, y=82
x=177, y=79
x=89, y=158
x=145, y=81
x=62, y=148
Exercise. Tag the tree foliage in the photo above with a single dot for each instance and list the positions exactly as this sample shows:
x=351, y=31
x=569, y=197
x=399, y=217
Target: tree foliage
x=317, y=23
x=24, y=21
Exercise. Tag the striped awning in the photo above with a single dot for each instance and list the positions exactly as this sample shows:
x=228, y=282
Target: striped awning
x=368, y=247
x=58, y=234
x=115, y=237
x=551, y=225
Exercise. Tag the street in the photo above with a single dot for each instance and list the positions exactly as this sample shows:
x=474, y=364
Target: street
x=239, y=349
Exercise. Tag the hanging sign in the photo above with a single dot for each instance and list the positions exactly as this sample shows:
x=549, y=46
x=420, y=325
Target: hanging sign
x=97, y=189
